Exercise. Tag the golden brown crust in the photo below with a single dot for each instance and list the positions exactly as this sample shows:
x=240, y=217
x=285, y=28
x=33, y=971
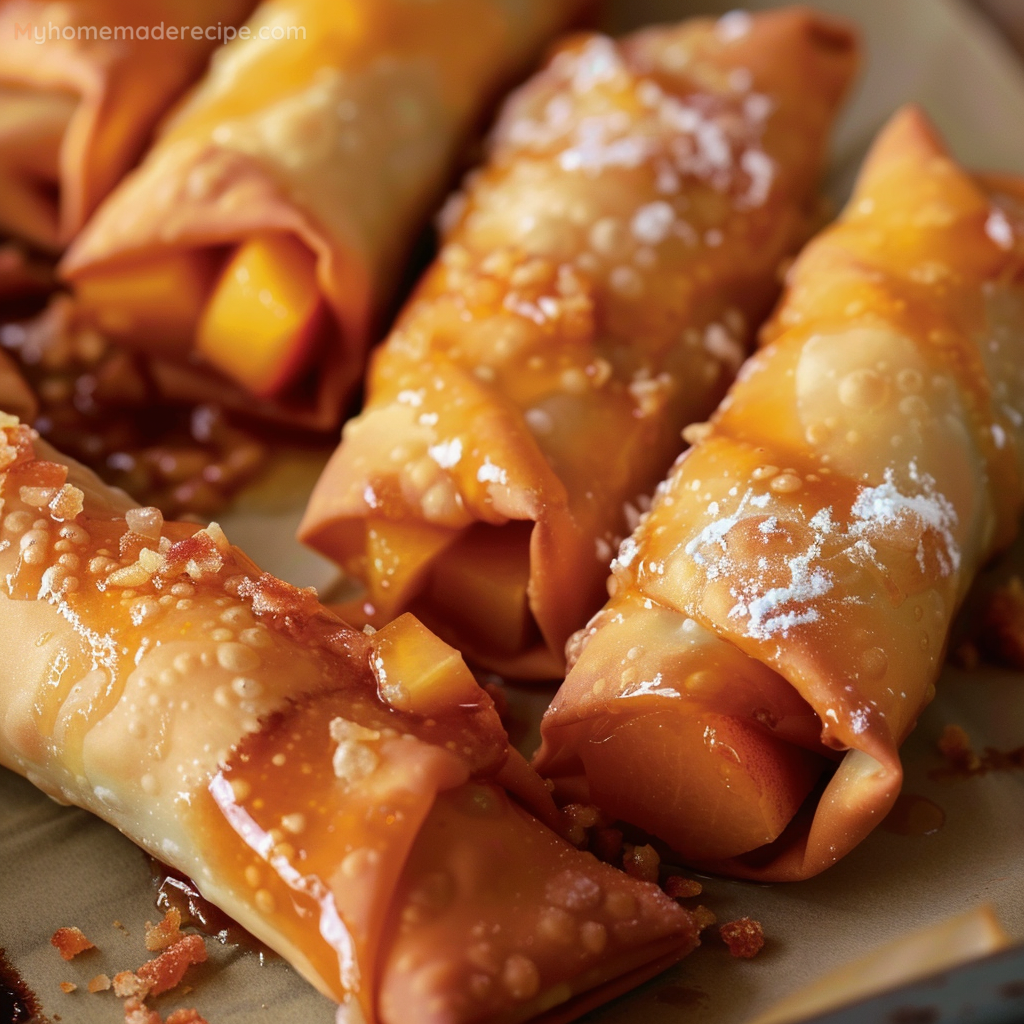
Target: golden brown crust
x=122, y=85
x=300, y=136
x=791, y=591
x=331, y=790
x=597, y=290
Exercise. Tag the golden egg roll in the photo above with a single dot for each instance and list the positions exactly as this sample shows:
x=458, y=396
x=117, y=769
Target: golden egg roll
x=81, y=87
x=777, y=623
x=596, y=292
x=255, y=248
x=351, y=799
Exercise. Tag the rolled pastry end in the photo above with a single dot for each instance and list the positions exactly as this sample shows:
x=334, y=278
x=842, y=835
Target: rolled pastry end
x=254, y=312
x=721, y=752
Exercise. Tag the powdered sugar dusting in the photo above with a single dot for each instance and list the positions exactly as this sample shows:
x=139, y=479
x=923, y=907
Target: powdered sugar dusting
x=879, y=514
x=713, y=137
x=878, y=509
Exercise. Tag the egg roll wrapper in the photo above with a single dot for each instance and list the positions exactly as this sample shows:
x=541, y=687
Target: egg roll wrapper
x=15, y=394
x=343, y=137
x=800, y=568
x=76, y=114
x=350, y=799
x=595, y=293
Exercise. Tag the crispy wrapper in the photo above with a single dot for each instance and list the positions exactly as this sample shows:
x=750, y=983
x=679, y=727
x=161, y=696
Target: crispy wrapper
x=596, y=293
x=340, y=134
x=15, y=394
x=779, y=619
x=77, y=109
x=350, y=799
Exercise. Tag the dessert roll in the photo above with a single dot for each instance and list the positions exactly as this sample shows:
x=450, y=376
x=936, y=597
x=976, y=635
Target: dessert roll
x=81, y=87
x=597, y=290
x=268, y=225
x=351, y=799
x=778, y=621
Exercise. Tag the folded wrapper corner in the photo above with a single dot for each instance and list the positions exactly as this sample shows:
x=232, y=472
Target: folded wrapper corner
x=77, y=110
x=598, y=287
x=778, y=621
x=350, y=799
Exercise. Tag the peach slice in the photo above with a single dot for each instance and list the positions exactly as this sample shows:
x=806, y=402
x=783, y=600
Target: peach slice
x=156, y=300
x=418, y=672
x=265, y=314
x=480, y=586
x=712, y=786
x=398, y=556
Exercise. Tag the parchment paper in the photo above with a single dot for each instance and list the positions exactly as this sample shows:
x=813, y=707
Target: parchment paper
x=60, y=866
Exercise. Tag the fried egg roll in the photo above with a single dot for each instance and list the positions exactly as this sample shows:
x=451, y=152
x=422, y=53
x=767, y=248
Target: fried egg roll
x=777, y=623
x=596, y=292
x=350, y=799
x=81, y=87
x=254, y=249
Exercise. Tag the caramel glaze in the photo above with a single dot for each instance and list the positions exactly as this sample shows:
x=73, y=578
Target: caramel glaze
x=18, y=1004
x=317, y=782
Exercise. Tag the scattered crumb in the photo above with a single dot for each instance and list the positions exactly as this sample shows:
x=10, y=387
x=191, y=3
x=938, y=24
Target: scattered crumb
x=581, y=817
x=955, y=747
x=166, y=933
x=703, y=917
x=641, y=862
x=121, y=928
x=70, y=942
x=1001, y=628
x=961, y=759
x=128, y=986
x=67, y=987
x=186, y=1017
x=744, y=937
x=136, y=1012
x=166, y=971
x=679, y=887
x=101, y=983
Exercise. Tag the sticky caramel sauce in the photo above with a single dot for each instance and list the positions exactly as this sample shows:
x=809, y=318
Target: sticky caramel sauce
x=18, y=1004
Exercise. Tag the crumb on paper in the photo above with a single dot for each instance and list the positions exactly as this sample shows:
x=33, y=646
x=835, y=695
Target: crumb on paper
x=744, y=937
x=186, y=1017
x=101, y=983
x=128, y=986
x=955, y=747
x=1001, y=629
x=69, y=942
x=67, y=987
x=679, y=887
x=165, y=933
x=642, y=862
x=703, y=917
x=166, y=971
x=137, y=1012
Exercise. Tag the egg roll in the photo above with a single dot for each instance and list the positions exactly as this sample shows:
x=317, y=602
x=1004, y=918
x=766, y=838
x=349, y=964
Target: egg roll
x=266, y=230
x=81, y=87
x=777, y=623
x=596, y=291
x=351, y=799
